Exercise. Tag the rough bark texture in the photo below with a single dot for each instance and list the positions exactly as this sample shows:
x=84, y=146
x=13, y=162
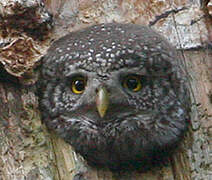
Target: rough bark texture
x=27, y=28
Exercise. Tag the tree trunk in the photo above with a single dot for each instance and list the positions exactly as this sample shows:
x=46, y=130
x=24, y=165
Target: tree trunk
x=27, y=28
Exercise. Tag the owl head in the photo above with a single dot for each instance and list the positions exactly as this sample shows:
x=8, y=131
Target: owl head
x=116, y=93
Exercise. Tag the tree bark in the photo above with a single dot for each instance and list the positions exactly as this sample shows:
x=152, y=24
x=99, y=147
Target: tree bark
x=27, y=28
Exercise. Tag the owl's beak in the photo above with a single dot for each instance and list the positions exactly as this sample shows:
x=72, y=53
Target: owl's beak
x=102, y=101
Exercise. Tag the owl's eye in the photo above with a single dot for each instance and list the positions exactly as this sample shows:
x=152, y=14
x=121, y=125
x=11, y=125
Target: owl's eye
x=132, y=83
x=78, y=85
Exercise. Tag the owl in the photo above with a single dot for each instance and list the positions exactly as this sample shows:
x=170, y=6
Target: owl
x=116, y=94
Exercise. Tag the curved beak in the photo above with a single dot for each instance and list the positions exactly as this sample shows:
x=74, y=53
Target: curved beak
x=102, y=101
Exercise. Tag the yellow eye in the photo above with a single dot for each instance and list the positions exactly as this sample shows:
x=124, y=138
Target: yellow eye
x=78, y=85
x=132, y=83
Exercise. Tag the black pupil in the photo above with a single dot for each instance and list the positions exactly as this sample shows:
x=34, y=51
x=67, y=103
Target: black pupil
x=132, y=83
x=79, y=85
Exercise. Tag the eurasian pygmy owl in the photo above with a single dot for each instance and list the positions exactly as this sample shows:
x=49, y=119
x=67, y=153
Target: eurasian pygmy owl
x=116, y=93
